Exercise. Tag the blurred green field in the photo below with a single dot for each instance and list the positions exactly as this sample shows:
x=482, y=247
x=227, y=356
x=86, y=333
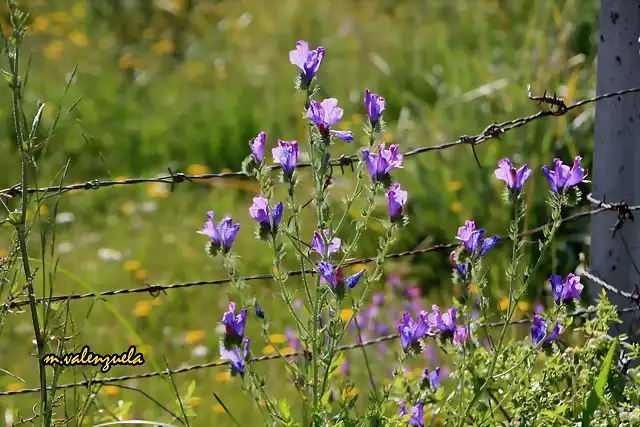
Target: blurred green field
x=186, y=83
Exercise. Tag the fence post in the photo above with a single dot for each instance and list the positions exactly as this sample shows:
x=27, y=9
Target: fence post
x=616, y=157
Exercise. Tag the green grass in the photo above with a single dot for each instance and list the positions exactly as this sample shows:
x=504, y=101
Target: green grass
x=446, y=69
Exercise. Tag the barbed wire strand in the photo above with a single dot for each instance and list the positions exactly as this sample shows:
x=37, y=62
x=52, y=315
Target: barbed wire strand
x=155, y=289
x=347, y=347
x=492, y=131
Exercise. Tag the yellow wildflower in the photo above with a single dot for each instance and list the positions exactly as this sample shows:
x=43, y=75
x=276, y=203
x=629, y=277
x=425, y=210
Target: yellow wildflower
x=40, y=24
x=78, y=11
x=194, y=402
x=43, y=209
x=277, y=338
x=60, y=17
x=269, y=350
x=142, y=309
x=111, y=390
x=194, y=337
x=157, y=190
x=131, y=265
x=473, y=288
x=142, y=274
x=53, y=50
x=523, y=305
x=218, y=409
x=78, y=38
x=456, y=207
x=127, y=61
x=358, y=267
x=162, y=47
x=345, y=125
x=504, y=303
x=455, y=185
x=223, y=377
x=352, y=392
x=14, y=387
x=262, y=403
x=287, y=350
x=3, y=252
x=387, y=137
x=197, y=169
x=346, y=314
x=356, y=119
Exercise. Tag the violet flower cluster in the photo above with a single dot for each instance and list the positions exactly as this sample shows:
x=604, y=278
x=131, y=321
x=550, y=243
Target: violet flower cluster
x=234, y=339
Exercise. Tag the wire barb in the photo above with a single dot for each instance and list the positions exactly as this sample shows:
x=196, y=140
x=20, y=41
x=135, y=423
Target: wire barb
x=622, y=208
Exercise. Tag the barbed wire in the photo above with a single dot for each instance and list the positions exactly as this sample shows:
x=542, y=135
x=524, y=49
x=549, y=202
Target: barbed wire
x=492, y=131
x=154, y=290
x=347, y=347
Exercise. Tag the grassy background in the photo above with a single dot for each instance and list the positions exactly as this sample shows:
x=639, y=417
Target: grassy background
x=186, y=83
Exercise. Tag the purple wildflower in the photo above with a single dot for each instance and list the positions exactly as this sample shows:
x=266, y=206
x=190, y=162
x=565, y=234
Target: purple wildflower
x=286, y=154
x=563, y=177
x=317, y=244
x=514, y=178
x=417, y=414
x=460, y=335
x=259, y=310
x=344, y=368
x=445, y=323
x=471, y=239
x=292, y=339
x=378, y=298
x=539, y=330
x=566, y=291
x=324, y=115
x=335, y=277
x=381, y=164
x=307, y=60
x=396, y=199
x=259, y=211
x=257, y=147
x=375, y=105
x=233, y=356
x=221, y=235
x=235, y=324
x=432, y=377
x=411, y=332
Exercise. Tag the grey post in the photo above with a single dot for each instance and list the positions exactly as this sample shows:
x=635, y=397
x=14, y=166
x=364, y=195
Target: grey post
x=616, y=159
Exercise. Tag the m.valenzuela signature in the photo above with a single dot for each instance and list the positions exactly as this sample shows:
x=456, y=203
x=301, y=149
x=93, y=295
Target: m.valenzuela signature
x=86, y=357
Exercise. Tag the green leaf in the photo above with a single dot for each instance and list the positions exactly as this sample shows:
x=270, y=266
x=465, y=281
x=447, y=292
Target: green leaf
x=192, y=388
x=284, y=407
x=440, y=394
x=598, y=391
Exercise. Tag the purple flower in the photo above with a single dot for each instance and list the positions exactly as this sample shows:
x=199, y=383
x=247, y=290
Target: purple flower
x=317, y=244
x=375, y=106
x=233, y=356
x=235, y=324
x=307, y=60
x=411, y=332
x=417, y=414
x=539, y=330
x=433, y=378
x=445, y=323
x=292, y=338
x=460, y=335
x=257, y=147
x=221, y=235
x=471, y=239
x=566, y=291
x=379, y=165
x=324, y=115
x=507, y=173
x=344, y=368
x=378, y=298
x=336, y=279
x=259, y=310
x=562, y=177
x=286, y=154
x=259, y=211
x=396, y=199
